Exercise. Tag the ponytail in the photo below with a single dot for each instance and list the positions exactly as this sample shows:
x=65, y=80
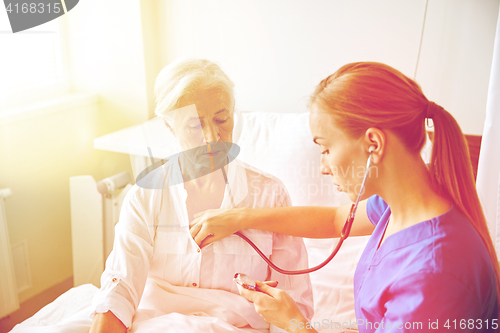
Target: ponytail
x=451, y=172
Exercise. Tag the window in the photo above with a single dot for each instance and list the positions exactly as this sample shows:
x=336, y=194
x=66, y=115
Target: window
x=31, y=63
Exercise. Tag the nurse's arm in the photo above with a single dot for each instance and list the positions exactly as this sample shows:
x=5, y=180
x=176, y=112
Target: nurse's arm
x=306, y=221
x=309, y=221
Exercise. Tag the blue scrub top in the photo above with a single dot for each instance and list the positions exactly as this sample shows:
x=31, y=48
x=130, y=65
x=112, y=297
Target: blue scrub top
x=433, y=276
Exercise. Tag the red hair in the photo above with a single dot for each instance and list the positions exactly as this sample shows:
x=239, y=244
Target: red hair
x=369, y=94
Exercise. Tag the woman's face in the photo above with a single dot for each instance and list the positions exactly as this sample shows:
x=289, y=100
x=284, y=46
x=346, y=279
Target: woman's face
x=206, y=118
x=342, y=157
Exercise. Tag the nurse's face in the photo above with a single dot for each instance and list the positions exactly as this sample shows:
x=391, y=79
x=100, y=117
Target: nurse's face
x=206, y=119
x=342, y=157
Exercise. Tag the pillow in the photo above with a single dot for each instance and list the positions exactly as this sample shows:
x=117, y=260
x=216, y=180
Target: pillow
x=281, y=144
x=333, y=285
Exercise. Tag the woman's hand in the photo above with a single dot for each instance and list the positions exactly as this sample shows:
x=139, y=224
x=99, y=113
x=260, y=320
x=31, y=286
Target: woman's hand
x=274, y=305
x=214, y=224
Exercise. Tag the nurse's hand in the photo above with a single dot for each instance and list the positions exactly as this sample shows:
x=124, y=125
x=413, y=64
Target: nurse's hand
x=215, y=224
x=275, y=306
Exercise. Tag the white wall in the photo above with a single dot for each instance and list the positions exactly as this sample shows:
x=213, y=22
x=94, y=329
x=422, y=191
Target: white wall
x=106, y=52
x=456, y=57
x=277, y=51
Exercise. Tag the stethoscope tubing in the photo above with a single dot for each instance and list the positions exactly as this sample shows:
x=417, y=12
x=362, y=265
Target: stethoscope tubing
x=343, y=235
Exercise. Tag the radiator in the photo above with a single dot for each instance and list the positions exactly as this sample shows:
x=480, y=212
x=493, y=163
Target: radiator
x=9, y=301
x=95, y=209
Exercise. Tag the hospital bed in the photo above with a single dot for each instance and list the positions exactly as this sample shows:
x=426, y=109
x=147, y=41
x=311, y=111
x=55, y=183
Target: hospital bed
x=276, y=143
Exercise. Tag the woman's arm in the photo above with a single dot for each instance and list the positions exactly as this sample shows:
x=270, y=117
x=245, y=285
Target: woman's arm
x=307, y=221
x=127, y=267
x=107, y=323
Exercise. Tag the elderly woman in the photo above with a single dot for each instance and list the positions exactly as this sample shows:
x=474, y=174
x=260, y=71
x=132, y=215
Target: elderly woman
x=157, y=278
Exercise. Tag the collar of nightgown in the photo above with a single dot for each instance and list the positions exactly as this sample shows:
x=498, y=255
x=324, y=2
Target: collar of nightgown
x=236, y=189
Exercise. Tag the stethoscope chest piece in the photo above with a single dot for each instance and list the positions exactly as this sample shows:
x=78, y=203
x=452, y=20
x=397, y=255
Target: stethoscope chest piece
x=245, y=281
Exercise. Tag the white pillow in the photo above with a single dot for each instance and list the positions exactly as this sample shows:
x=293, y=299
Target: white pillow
x=281, y=144
x=333, y=285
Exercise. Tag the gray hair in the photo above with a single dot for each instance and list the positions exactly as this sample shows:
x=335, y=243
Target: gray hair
x=183, y=78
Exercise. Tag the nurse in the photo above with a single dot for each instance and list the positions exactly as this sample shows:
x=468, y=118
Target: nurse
x=430, y=259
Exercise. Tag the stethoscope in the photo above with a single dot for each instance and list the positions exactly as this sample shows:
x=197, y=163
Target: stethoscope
x=343, y=235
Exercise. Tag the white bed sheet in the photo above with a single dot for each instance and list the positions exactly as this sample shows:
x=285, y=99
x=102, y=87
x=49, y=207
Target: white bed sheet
x=70, y=313
x=332, y=288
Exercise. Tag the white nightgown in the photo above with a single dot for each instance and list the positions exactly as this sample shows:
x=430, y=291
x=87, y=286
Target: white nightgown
x=158, y=279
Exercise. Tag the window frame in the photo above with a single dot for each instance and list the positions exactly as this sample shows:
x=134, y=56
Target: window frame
x=33, y=93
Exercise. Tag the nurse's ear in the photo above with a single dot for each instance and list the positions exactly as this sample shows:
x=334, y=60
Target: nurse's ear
x=375, y=140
